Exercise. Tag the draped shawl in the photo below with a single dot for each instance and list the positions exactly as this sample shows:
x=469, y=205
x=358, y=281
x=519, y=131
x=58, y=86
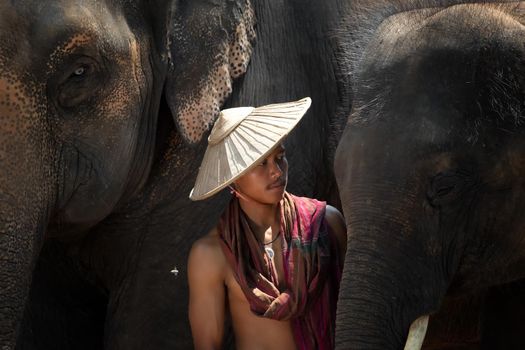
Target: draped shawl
x=312, y=269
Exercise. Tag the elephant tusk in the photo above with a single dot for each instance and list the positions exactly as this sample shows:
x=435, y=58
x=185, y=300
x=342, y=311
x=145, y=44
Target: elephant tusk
x=416, y=334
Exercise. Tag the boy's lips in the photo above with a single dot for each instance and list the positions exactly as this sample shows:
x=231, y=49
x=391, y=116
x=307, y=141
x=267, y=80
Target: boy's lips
x=277, y=184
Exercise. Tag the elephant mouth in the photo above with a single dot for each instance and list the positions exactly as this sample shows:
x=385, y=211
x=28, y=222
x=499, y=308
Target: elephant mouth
x=65, y=224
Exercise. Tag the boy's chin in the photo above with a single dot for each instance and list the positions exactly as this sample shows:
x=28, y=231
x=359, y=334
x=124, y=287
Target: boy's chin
x=269, y=197
x=275, y=198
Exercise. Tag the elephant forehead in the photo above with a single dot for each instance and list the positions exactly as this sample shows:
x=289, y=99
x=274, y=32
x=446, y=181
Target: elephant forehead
x=31, y=31
x=465, y=60
x=454, y=28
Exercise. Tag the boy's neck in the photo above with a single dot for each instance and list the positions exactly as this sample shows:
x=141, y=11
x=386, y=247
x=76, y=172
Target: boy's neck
x=263, y=216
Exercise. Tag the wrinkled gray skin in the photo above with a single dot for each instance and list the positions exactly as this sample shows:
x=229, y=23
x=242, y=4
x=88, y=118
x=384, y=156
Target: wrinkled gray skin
x=104, y=107
x=430, y=169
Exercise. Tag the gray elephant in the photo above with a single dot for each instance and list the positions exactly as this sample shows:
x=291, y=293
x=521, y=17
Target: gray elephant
x=430, y=169
x=103, y=106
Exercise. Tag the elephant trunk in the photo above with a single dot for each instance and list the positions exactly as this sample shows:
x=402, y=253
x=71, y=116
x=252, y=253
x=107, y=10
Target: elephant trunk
x=382, y=292
x=365, y=309
x=394, y=271
x=392, y=275
x=20, y=241
x=26, y=200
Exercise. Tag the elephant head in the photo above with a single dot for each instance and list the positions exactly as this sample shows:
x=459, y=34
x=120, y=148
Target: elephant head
x=81, y=83
x=431, y=164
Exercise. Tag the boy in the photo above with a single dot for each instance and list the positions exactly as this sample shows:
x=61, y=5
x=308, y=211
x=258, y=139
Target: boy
x=274, y=260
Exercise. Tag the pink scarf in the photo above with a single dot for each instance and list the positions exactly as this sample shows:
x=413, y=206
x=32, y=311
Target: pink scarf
x=312, y=269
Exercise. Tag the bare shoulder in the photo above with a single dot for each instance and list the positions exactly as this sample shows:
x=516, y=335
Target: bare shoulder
x=206, y=307
x=206, y=256
x=337, y=224
x=336, y=220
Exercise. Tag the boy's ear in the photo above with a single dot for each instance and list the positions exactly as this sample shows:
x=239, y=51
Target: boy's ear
x=209, y=45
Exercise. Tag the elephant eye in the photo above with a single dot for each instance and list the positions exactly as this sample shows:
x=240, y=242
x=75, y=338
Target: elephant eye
x=80, y=81
x=446, y=187
x=79, y=71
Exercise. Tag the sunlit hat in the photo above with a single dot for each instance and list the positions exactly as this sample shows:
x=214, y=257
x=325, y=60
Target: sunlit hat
x=240, y=139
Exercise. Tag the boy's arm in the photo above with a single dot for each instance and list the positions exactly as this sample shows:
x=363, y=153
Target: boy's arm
x=337, y=223
x=207, y=295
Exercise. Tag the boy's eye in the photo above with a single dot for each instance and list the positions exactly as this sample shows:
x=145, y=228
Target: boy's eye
x=263, y=163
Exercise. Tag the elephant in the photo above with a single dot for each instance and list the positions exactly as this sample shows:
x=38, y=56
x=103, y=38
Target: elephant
x=430, y=171
x=104, y=111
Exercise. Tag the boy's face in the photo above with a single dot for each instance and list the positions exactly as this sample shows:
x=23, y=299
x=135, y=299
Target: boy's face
x=267, y=181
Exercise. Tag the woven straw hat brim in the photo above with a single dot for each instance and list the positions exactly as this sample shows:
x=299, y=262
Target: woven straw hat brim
x=244, y=147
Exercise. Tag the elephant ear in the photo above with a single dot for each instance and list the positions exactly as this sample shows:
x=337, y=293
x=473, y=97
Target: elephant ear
x=210, y=44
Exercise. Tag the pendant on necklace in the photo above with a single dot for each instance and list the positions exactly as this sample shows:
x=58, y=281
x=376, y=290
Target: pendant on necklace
x=269, y=252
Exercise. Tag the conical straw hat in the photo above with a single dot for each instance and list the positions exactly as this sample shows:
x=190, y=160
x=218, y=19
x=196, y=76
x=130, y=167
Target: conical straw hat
x=240, y=139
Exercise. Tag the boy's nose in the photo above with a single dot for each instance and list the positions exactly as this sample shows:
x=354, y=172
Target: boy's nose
x=275, y=170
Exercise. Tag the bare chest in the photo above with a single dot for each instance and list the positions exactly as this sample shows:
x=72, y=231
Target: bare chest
x=274, y=256
x=253, y=331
